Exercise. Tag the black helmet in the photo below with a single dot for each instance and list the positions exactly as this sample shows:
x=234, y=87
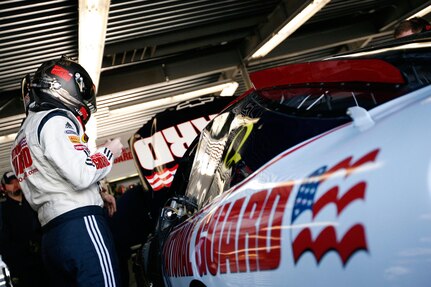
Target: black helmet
x=64, y=83
x=27, y=95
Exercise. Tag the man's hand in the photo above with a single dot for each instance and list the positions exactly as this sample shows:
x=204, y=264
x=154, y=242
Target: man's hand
x=115, y=146
x=110, y=203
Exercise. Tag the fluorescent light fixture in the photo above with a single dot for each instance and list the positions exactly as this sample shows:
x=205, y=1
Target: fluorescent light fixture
x=402, y=47
x=123, y=177
x=290, y=27
x=177, y=98
x=7, y=138
x=229, y=90
x=422, y=12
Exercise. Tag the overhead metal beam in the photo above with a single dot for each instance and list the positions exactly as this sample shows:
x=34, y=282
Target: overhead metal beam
x=93, y=20
x=341, y=35
x=402, y=9
x=206, y=33
x=149, y=73
x=277, y=19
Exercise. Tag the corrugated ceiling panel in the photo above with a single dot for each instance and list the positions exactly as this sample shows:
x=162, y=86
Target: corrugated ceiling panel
x=33, y=32
x=132, y=19
x=341, y=8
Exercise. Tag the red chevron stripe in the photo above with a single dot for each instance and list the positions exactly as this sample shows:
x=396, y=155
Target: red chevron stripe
x=352, y=241
x=350, y=167
x=331, y=196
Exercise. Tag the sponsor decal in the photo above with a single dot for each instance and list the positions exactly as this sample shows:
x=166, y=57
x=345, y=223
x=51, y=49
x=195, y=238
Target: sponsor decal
x=61, y=72
x=233, y=156
x=239, y=236
x=246, y=235
x=84, y=138
x=126, y=155
x=70, y=132
x=100, y=161
x=305, y=202
x=165, y=146
x=159, y=180
x=68, y=126
x=22, y=161
x=164, y=139
x=81, y=147
x=74, y=139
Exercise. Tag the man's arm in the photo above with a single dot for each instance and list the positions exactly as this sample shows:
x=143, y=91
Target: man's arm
x=66, y=150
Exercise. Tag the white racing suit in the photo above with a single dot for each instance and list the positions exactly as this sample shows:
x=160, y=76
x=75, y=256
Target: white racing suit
x=59, y=179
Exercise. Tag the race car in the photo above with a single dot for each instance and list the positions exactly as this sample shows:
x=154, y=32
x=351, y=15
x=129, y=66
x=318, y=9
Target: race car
x=318, y=176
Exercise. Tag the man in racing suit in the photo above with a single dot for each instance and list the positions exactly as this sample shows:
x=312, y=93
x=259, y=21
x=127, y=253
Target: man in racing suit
x=59, y=176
